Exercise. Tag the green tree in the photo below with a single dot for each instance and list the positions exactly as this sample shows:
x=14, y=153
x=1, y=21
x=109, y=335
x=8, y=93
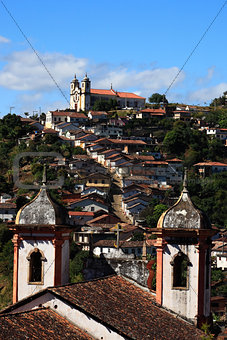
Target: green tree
x=177, y=140
x=157, y=98
x=105, y=105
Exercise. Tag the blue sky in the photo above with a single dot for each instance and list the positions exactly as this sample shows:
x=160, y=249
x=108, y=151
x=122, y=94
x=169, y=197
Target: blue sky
x=138, y=46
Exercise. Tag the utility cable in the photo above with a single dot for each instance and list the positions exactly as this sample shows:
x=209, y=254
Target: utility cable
x=36, y=53
x=192, y=52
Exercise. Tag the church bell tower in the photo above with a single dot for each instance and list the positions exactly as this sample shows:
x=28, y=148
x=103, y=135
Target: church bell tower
x=85, y=93
x=183, y=260
x=41, y=246
x=75, y=94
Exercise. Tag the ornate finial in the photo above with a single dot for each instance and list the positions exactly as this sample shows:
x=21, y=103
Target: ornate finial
x=111, y=86
x=44, y=180
x=75, y=76
x=185, y=179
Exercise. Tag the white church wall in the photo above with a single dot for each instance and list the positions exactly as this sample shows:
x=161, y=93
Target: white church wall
x=182, y=301
x=46, y=247
x=82, y=320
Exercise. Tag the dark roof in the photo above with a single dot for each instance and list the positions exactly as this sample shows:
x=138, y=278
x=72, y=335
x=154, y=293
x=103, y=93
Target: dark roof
x=8, y=205
x=41, y=323
x=131, y=311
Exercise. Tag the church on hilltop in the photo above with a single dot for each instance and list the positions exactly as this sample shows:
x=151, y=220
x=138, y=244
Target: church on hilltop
x=111, y=307
x=83, y=97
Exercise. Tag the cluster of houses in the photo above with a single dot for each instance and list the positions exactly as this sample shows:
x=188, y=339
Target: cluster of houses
x=140, y=173
x=114, y=181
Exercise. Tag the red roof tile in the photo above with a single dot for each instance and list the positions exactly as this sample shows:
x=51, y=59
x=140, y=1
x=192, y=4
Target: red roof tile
x=69, y=114
x=174, y=160
x=210, y=164
x=40, y=323
x=116, y=94
x=153, y=111
x=49, y=131
x=81, y=213
x=8, y=205
x=127, y=141
x=129, y=309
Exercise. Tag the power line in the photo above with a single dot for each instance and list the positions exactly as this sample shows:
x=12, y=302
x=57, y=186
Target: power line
x=192, y=52
x=36, y=53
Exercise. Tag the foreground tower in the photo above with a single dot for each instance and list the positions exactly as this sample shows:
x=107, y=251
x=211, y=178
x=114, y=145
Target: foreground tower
x=183, y=260
x=41, y=246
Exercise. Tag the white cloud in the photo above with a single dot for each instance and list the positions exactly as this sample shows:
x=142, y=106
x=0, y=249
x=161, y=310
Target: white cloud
x=24, y=71
x=208, y=77
x=207, y=94
x=144, y=82
x=4, y=40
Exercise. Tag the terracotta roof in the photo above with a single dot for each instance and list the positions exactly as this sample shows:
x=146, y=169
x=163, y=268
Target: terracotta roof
x=81, y=213
x=143, y=158
x=78, y=115
x=119, y=304
x=50, y=131
x=41, y=323
x=8, y=205
x=153, y=111
x=107, y=151
x=27, y=120
x=104, y=216
x=128, y=95
x=69, y=114
x=174, y=160
x=157, y=162
x=137, y=178
x=127, y=141
x=60, y=113
x=210, y=164
x=116, y=94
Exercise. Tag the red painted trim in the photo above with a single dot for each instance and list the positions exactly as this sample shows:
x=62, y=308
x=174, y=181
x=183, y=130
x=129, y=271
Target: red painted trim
x=159, y=276
x=159, y=244
x=16, y=241
x=43, y=238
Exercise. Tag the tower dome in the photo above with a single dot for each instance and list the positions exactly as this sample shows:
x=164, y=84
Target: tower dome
x=75, y=80
x=41, y=210
x=86, y=78
x=183, y=214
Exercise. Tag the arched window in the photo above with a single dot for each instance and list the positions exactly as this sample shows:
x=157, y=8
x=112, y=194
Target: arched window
x=35, y=259
x=180, y=270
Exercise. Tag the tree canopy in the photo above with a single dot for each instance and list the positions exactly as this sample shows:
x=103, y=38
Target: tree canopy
x=157, y=98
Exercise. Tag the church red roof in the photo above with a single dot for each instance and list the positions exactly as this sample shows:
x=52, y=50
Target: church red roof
x=116, y=94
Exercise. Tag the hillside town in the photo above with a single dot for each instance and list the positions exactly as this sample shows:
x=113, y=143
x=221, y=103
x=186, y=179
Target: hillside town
x=133, y=243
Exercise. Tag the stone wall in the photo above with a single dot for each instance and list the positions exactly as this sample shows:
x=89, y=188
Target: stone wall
x=133, y=269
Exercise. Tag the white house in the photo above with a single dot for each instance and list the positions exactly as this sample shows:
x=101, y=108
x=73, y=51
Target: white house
x=87, y=204
x=7, y=211
x=97, y=115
